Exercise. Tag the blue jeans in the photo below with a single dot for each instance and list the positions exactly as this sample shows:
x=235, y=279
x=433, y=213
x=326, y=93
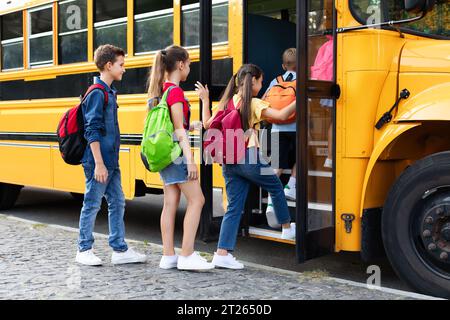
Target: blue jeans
x=112, y=191
x=237, y=179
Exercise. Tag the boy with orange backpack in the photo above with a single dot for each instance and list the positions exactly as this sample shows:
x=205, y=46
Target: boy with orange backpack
x=280, y=93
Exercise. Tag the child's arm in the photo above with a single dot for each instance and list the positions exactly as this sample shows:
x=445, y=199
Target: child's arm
x=282, y=114
x=176, y=110
x=203, y=94
x=100, y=172
x=207, y=123
x=93, y=128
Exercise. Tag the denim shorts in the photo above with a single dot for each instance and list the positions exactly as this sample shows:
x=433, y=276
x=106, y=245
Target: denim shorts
x=176, y=172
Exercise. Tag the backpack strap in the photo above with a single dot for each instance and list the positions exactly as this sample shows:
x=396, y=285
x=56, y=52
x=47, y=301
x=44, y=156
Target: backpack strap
x=98, y=86
x=280, y=79
x=94, y=87
x=164, y=98
x=166, y=94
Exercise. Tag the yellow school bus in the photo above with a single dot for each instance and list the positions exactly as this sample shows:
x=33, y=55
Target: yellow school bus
x=381, y=119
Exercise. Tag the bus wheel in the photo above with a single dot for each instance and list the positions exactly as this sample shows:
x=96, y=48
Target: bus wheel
x=8, y=195
x=416, y=225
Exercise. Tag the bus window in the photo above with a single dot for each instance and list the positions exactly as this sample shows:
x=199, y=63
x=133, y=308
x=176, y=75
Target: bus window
x=110, y=23
x=435, y=23
x=191, y=22
x=40, y=24
x=153, y=25
x=12, y=41
x=72, y=17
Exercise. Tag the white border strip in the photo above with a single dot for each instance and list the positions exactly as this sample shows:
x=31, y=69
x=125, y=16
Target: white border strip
x=197, y=5
x=12, y=69
x=318, y=143
x=248, y=264
x=12, y=41
x=72, y=32
x=322, y=174
x=110, y=22
x=311, y=205
x=66, y=1
x=165, y=12
x=40, y=35
x=40, y=8
x=267, y=233
x=24, y=145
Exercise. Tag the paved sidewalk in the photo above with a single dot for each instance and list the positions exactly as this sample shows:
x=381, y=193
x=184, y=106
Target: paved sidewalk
x=38, y=262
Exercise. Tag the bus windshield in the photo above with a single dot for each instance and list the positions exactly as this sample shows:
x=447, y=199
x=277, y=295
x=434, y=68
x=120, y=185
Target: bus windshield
x=435, y=23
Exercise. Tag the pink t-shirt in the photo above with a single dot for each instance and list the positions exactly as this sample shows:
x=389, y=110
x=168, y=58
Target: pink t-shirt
x=323, y=65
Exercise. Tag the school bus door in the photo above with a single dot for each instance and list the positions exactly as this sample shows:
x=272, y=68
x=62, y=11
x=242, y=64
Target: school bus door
x=317, y=92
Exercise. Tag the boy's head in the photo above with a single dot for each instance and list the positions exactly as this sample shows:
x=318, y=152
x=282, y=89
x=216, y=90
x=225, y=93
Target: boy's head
x=110, y=59
x=290, y=59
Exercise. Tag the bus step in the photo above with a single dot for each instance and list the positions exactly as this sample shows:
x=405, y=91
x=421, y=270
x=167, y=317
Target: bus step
x=311, y=205
x=267, y=234
x=313, y=173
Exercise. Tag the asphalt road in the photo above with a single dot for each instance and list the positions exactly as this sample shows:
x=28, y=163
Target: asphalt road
x=142, y=223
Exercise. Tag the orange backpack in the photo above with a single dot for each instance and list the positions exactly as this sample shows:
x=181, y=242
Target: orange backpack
x=280, y=96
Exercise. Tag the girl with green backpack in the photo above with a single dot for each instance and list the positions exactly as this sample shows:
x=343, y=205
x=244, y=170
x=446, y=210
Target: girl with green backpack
x=171, y=66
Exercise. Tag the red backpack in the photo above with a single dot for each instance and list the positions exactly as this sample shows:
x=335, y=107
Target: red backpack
x=225, y=142
x=70, y=132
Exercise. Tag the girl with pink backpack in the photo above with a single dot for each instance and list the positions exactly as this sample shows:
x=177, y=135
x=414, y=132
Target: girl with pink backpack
x=241, y=91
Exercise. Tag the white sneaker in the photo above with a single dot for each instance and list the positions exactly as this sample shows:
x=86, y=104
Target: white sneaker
x=88, y=258
x=290, y=193
x=227, y=261
x=288, y=233
x=168, y=262
x=129, y=256
x=194, y=262
x=328, y=163
x=271, y=217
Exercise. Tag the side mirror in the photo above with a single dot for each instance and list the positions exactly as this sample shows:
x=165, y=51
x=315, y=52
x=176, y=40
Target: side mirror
x=419, y=6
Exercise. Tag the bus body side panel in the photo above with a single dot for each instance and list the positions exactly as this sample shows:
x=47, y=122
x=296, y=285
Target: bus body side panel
x=362, y=78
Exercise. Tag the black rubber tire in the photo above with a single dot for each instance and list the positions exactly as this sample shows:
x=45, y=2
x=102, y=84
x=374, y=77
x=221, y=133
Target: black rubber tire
x=404, y=205
x=8, y=195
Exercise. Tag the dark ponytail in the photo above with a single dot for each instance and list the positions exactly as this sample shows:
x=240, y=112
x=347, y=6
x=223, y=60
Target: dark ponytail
x=242, y=81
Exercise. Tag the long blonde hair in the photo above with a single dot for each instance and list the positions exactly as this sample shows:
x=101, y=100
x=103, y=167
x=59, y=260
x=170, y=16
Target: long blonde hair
x=165, y=62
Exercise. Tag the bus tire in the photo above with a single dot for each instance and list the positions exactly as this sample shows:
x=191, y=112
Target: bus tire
x=8, y=195
x=415, y=225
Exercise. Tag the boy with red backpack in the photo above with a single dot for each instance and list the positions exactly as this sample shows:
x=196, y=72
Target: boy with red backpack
x=101, y=161
x=280, y=93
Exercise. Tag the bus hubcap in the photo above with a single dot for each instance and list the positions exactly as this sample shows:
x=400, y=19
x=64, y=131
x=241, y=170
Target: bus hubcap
x=436, y=232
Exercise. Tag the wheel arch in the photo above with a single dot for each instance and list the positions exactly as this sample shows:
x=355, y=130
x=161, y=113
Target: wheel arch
x=399, y=146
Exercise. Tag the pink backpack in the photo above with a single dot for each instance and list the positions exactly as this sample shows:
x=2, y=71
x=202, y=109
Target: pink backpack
x=225, y=141
x=323, y=65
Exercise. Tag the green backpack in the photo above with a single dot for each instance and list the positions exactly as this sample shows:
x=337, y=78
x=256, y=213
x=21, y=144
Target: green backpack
x=158, y=149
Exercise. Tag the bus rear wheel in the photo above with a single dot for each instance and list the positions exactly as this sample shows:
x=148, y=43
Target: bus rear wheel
x=8, y=195
x=416, y=225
